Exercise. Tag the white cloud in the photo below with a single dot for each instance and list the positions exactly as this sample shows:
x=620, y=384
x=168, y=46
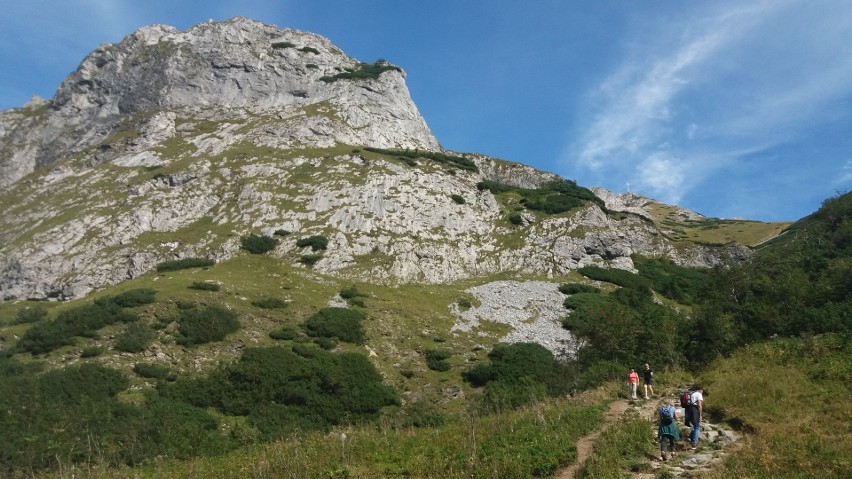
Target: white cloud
x=712, y=87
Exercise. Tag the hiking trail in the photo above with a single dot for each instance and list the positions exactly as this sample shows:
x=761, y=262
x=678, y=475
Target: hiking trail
x=717, y=441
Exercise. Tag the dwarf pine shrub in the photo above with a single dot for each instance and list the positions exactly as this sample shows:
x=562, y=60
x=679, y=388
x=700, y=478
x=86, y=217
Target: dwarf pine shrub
x=258, y=244
x=341, y=323
x=575, y=288
x=30, y=315
x=184, y=263
x=154, y=371
x=135, y=338
x=212, y=323
x=270, y=303
x=204, y=286
x=316, y=242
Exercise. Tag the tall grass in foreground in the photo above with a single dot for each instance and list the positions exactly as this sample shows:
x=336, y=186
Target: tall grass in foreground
x=793, y=396
x=624, y=446
x=532, y=442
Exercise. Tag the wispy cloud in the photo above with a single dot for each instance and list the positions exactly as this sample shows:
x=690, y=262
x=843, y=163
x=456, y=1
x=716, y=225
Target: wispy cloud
x=708, y=90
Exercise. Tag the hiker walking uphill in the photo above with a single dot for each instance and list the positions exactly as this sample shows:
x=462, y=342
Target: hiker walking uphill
x=648, y=378
x=668, y=432
x=632, y=382
x=695, y=414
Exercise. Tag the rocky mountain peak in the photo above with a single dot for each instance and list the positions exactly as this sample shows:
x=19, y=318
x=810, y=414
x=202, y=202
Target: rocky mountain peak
x=238, y=67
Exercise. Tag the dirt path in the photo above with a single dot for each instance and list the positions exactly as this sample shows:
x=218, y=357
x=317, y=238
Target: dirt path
x=717, y=441
x=587, y=442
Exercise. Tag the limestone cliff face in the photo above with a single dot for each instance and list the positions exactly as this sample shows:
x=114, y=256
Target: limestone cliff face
x=175, y=144
x=236, y=68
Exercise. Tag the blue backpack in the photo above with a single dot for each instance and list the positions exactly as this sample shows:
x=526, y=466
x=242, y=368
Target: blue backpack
x=666, y=416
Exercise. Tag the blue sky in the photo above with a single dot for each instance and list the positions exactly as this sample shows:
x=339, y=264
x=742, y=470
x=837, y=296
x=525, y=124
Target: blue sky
x=733, y=109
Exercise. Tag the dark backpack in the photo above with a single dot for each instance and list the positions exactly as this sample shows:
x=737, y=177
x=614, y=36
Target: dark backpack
x=665, y=416
x=684, y=399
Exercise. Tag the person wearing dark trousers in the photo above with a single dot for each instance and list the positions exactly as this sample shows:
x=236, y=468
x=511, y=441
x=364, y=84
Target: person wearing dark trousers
x=695, y=414
x=648, y=379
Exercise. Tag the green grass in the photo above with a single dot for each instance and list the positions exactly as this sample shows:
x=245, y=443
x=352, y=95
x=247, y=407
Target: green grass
x=531, y=442
x=791, y=397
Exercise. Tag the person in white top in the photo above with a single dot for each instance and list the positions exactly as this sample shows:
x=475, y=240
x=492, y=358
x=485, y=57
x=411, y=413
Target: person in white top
x=695, y=414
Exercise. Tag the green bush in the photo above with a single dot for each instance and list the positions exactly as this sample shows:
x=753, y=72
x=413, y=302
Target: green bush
x=363, y=71
x=341, y=323
x=135, y=338
x=278, y=45
x=309, y=50
x=281, y=391
x=459, y=199
x=351, y=292
x=516, y=219
x=256, y=244
x=620, y=277
x=76, y=384
x=130, y=298
x=518, y=373
x=270, y=303
x=316, y=242
x=436, y=359
x=85, y=320
x=326, y=343
x=30, y=315
x=281, y=232
x=284, y=333
x=310, y=259
x=204, y=286
x=576, y=288
x=92, y=352
x=184, y=263
x=551, y=198
x=213, y=323
x=154, y=371
x=411, y=155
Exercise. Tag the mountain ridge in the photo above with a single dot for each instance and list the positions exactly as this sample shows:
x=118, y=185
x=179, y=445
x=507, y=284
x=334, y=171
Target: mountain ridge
x=191, y=140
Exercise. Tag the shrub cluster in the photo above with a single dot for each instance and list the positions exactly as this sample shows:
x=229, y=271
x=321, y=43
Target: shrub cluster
x=316, y=242
x=454, y=160
x=48, y=413
x=518, y=373
x=204, y=286
x=284, y=333
x=258, y=244
x=135, y=338
x=576, y=288
x=458, y=199
x=211, y=323
x=551, y=198
x=310, y=259
x=364, y=71
x=184, y=263
x=341, y=323
x=281, y=391
x=436, y=359
x=154, y=371
x=86, y=320
x=30, y=315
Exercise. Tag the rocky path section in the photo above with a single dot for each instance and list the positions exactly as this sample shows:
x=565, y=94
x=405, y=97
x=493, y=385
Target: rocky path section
x=717, y=442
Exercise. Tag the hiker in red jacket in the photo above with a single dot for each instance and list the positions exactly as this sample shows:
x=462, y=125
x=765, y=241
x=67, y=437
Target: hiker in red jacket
x=632, y=382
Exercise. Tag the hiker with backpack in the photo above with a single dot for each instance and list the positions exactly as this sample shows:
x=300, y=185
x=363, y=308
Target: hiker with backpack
x=694, y=414
x=668, y=432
